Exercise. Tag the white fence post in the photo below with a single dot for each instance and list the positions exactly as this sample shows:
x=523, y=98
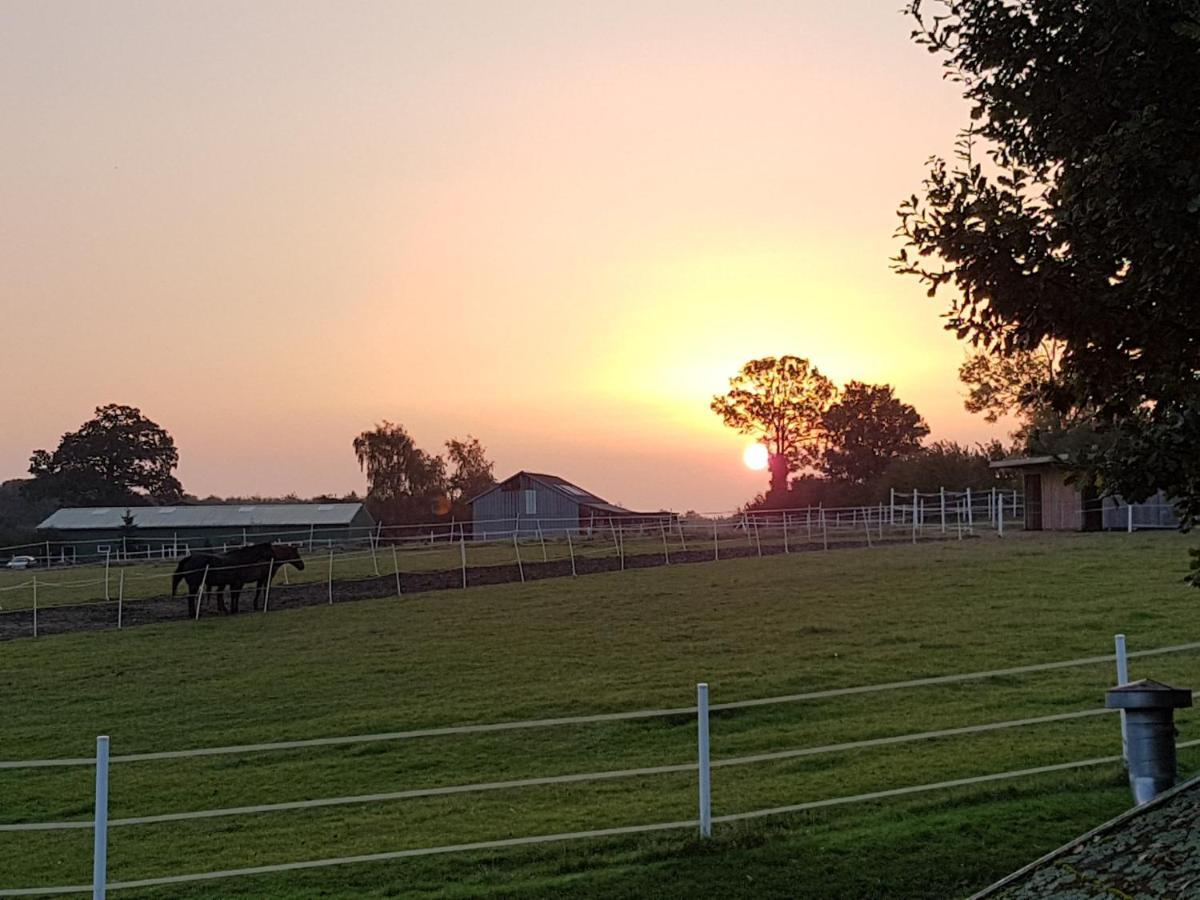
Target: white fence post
x=785, y=540
x=702, y=754
x=891, y=506
x=120, y=597
x=1000, y=514
x=1123, y=678
x=100, y=829
x=943, y=501
x=462, y=548
x=716, y=546
x=824, y=530
x=517, y=548
x=570, y=549
x=914, y=516
x=666, y=553
x=396, y=569
x=1129, y=526
x=106, y=594
x=200, y=592
x=35, y=604
x=757, y=541
x=970, y=514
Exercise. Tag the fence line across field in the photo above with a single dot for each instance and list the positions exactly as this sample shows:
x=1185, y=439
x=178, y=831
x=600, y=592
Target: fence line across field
x=101, y=823
x=419, y=532
x=848, y=518
x=573, y=778
x=753, y=529
x=764, y=532
x=627, y=715
x=750, y=527
x=279, y=868
x=927, y=509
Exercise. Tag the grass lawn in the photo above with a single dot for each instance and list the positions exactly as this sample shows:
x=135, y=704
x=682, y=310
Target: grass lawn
x=611, y=642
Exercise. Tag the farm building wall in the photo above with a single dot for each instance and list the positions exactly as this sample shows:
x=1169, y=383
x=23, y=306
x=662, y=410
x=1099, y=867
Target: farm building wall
x=504, y=511
x=167, y=543
x=1062, y=505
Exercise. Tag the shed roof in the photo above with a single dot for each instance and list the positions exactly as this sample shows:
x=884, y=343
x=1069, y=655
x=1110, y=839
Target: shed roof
x=1148, y=851
x=1020, y=462
x=215, y=516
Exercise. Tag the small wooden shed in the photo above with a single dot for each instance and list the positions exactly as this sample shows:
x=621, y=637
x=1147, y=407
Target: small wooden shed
x=1053, y=502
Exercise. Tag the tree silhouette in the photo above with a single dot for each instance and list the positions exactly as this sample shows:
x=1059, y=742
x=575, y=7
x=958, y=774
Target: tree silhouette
x=118, y=457
x=866, y=429
x=402, y=479
x=470, y=469
x=782, y=401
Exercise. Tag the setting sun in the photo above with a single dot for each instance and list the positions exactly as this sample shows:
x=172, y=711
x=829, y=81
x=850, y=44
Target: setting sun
x=755, y=457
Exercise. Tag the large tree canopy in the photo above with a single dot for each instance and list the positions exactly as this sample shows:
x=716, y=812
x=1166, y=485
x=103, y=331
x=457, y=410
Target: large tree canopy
x=781, y=401
x=1084, y=224
x=403, y=480
x=406, y=484
x=470, y=469
x=120, y=456
x=866, y=429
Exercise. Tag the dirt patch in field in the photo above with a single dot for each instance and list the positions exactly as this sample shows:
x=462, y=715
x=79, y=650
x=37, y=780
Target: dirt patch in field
x=100, y=615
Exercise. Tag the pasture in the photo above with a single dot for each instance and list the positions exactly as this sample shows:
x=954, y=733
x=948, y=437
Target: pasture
x=611, y=642
x=82, y=584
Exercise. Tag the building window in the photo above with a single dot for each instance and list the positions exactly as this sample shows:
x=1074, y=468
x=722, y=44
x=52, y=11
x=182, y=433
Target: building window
x=531, y=503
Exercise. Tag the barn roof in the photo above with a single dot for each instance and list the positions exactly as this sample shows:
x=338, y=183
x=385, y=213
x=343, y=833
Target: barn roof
x=216, y=516
x=572, y=491
x=1149, y=851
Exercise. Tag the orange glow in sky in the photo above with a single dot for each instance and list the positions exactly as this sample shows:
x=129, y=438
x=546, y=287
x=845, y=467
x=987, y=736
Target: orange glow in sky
x=558, y=227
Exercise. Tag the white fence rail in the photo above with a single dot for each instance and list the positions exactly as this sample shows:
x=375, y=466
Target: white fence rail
x=931, y=507
x=101, y=824
x=941, y=510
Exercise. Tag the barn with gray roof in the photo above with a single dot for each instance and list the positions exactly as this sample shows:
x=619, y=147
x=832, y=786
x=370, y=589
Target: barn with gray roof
x=170, y=531
x=529, y=504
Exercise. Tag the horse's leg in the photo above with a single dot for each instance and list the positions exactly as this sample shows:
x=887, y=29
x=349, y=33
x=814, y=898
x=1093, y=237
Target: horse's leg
x=235, y=594
x=193, y=595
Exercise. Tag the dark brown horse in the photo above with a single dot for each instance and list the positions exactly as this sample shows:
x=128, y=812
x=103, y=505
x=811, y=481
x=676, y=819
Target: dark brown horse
x=235, y=569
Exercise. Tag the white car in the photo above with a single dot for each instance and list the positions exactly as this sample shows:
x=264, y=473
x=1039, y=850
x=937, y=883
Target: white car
x=21, y=562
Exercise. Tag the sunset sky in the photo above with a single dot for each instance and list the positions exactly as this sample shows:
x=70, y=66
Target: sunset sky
x=557, y=226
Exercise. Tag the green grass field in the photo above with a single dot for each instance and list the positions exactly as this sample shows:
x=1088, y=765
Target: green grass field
x=611, y=642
